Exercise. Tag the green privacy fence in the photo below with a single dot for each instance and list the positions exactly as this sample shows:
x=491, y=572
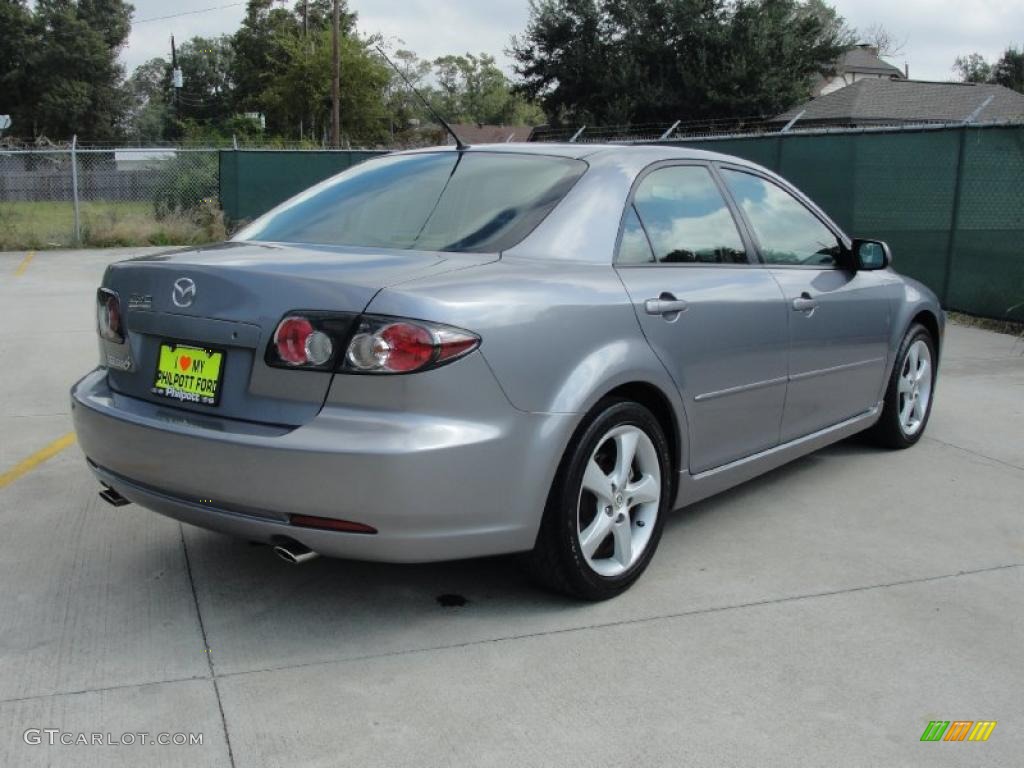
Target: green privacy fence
x=950, y=201
x=252, y=181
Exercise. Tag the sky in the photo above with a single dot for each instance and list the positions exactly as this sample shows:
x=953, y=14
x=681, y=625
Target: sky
x=936, y=31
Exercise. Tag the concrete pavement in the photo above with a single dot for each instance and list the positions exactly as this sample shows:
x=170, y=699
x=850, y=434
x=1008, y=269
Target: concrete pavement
x=820, y=615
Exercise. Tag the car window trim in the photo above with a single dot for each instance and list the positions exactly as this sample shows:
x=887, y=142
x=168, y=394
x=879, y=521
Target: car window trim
x=748, y=245
x=800, y=198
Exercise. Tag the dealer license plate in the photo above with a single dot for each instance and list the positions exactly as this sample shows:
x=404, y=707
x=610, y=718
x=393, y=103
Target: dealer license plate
x=189, y=374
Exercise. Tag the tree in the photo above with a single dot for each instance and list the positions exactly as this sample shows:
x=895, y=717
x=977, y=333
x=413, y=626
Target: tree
x=70, y=79
x=148, y=89
x=299, y=92
x=16, y=32
x=1008, y=69
x=207, y=94
x=972, y=68
x=473, y=89
x=636, y=61
x=883, y=41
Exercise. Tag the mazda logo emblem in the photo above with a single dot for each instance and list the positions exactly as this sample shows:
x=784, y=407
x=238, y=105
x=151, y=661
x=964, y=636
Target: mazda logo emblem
x=184, y=292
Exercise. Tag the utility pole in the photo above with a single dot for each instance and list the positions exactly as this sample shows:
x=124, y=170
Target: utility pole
x=335, y=82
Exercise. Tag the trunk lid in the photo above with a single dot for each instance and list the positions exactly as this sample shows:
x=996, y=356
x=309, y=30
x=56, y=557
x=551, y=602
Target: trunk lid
x=237, y=294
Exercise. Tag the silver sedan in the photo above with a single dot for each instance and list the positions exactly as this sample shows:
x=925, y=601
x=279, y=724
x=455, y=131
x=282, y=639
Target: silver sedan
x=540, y=349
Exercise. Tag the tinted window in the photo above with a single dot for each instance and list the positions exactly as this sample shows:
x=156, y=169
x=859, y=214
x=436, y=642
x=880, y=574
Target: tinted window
x=787, y=232
x=438, y=201
x=686, y=217
x=634, y=247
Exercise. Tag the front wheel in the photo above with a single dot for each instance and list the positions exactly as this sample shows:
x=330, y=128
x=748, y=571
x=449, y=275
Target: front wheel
x=607, y=506
x=908, y=397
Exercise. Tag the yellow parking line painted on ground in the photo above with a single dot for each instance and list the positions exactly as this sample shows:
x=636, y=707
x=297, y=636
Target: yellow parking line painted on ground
x=24, y=263
x=36, y=459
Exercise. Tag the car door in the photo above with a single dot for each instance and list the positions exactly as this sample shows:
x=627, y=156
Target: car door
x=838, y=318
x=717, y=321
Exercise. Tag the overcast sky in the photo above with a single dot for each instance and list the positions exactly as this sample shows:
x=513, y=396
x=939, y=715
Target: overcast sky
x=936, y=31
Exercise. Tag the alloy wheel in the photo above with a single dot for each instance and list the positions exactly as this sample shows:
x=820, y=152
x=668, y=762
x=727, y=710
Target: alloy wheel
x=915, y=387
x=619, y=500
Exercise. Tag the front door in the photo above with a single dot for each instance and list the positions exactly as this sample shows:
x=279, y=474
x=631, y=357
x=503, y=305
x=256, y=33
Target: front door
x=717, y=322
x=838, y=319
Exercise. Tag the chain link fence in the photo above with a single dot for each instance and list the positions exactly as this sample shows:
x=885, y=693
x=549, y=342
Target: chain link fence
x=71, y=196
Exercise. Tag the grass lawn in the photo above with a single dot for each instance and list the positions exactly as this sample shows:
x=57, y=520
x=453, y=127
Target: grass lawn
x=39, y=225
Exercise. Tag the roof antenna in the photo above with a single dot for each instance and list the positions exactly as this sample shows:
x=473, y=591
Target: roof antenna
x=459, y=144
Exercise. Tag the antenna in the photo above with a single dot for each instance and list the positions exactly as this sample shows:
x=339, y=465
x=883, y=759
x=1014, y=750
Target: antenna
x=459, y=144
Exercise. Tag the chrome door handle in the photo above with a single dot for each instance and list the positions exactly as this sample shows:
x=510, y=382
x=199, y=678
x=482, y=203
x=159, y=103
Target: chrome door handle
x=804, y=303
x=665, y=306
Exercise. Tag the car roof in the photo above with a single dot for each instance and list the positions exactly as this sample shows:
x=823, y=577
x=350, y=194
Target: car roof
x=643, y=153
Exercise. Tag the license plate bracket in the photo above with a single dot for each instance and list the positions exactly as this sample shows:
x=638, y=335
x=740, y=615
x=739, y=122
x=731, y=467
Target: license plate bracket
x=189, y=373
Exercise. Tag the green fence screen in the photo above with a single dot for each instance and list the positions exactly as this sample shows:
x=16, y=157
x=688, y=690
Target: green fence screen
x=254, y=181
x=950, y=201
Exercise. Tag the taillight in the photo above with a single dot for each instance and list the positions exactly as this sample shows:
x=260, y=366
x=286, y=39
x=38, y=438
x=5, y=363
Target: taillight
x=391, y=345
x=329, y=341
x=108, y=316
x=299, y=343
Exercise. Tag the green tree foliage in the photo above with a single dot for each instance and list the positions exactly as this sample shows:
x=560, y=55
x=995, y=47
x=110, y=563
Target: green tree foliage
x=472, y=89
x=149, y=90
x=635, y=61
x=1007, y=70
x=59, y=67
x=207, y=94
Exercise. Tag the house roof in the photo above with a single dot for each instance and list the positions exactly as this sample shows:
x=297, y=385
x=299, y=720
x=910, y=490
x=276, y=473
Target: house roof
x=474, y=133
x=864, y=58
x=885, y=100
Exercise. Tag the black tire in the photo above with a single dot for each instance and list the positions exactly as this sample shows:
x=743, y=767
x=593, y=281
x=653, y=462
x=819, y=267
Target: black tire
x=888, y=431
x=557, y=561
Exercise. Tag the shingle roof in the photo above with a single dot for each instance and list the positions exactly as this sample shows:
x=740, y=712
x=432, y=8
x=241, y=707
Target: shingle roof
x=473, y=133
x=862, y=58
x=884, y=100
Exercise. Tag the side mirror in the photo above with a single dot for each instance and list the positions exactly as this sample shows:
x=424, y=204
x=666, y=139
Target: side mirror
x=870, y=254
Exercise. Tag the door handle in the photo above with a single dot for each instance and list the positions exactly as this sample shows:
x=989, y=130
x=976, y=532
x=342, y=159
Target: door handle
x=666, y=304
x=804, y=303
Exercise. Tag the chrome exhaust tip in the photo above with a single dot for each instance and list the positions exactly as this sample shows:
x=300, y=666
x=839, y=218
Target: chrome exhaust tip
x=295, y=553
x=112, y=497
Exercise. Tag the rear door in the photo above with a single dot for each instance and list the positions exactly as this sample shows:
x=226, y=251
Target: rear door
x=717, y=321
x=838, y=319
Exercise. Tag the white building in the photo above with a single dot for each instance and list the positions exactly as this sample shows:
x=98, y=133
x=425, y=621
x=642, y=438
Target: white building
x=859, y=63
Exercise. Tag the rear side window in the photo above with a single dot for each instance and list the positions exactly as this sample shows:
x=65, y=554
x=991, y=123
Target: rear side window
x=438, y=201
x=634, y=248
x=786, y=231
x=687, y=218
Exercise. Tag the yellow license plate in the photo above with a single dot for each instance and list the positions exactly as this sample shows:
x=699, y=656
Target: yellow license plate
x=190, y=374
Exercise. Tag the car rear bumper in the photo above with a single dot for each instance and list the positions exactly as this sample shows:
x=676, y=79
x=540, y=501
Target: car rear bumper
x=434, y=487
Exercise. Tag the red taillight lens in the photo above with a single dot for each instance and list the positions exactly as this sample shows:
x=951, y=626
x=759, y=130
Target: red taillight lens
x=108, y=316
x=388, y=345
x=298, y=343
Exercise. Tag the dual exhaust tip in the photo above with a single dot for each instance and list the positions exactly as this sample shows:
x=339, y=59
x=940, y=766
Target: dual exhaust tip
x=290, y=551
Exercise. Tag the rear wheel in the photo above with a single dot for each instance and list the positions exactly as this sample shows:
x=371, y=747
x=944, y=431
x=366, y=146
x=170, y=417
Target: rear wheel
x=908, y=398
x=607, y=506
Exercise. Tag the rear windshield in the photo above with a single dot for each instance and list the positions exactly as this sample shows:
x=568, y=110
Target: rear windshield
x=435, y=201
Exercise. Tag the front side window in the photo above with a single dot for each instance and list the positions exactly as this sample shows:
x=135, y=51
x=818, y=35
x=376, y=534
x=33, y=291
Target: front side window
x=478, y=202
x=687, y=218
x=786, y=230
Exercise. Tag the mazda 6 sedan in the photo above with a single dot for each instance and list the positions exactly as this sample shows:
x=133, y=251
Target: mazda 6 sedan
x=537, y=349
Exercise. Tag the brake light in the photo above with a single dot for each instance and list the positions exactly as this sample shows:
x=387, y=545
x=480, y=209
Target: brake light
x=108, y=316
x=299, y=343
x=388, y=345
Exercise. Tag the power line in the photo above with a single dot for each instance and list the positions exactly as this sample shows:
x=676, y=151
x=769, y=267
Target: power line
x=188, y=13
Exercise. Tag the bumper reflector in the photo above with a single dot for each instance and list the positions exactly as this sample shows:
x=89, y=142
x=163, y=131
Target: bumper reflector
x=330, y=524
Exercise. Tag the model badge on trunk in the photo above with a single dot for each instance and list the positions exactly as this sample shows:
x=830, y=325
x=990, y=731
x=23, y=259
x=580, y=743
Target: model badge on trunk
x=137, y=301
